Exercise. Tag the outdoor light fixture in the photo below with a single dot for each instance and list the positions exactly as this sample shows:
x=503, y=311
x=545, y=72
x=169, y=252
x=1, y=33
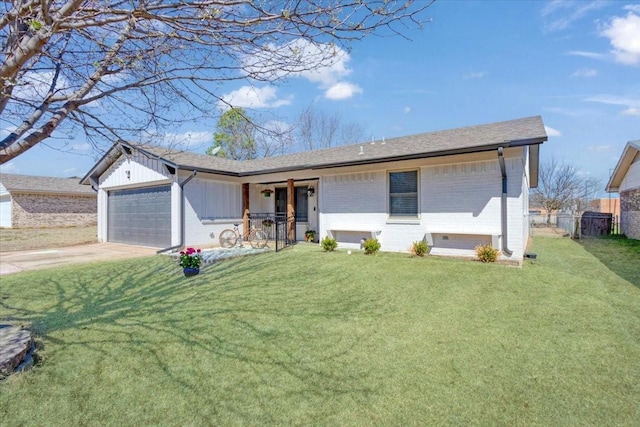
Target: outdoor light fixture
x=310, y=191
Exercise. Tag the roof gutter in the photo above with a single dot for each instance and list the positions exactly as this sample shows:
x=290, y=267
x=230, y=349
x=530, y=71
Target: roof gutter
x=182, y=227
x=503, y=203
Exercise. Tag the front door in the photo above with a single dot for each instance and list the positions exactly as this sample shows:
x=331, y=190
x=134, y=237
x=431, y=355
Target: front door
x=281, y=201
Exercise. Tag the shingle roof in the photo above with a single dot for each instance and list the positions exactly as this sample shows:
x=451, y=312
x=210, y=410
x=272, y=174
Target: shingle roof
x=43, y=184
x=461, y=140
x=519, y=132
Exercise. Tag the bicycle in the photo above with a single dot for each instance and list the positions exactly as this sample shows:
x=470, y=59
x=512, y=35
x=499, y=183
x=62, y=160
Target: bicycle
x=229, y=238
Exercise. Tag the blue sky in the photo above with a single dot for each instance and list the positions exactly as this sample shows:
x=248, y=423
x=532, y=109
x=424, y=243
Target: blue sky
x=575, y=63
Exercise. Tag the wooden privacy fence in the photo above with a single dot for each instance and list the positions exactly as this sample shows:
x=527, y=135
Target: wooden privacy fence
x=588, y=224
x=596, y=224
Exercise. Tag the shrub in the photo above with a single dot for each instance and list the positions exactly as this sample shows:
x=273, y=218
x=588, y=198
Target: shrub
x=329, y=244
x=487, y=253
x=371, y=246
x=420, y=248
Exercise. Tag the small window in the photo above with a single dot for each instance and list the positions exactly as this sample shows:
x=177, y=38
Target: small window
x=403, y=193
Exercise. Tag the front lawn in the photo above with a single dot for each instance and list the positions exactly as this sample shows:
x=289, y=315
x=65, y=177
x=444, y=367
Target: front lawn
x=304, y=337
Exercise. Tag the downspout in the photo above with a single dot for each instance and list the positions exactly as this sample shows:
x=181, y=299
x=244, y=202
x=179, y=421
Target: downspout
x=185, y=182
x=503, y=203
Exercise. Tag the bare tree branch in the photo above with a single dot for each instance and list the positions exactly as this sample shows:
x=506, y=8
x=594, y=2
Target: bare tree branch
x=317, y=129
x=558, y=186
x=140, y=66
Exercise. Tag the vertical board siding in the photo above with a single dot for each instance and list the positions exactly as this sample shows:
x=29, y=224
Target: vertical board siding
x=632, y=179
x=218, y=203
x=142, y=170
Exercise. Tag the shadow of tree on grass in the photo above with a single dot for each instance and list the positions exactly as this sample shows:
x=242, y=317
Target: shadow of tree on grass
x=237, y=314
x=618, y=254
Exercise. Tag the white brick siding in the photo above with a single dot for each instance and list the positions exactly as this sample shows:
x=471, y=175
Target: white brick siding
x=457, y=200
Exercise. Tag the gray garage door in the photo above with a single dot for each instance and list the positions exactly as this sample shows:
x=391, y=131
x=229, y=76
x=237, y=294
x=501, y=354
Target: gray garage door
x=140, y=216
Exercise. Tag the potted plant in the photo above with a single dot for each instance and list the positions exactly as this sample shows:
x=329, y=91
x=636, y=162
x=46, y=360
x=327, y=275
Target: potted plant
x=310, y=235
x=190, y=260
x=266, y=192
x=267, y=223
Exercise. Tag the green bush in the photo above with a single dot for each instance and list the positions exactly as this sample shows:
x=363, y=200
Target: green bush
x=371, y=246
x=487, y=253
x=329, y=244
x=420, y=248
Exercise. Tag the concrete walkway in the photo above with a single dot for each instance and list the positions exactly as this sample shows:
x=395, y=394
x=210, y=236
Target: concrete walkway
x=14, y=262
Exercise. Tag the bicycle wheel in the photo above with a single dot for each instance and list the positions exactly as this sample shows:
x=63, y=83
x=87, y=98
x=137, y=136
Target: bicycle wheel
x=258, y=239
x=227, y=238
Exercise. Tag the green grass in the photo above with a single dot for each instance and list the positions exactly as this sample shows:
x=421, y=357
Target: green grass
x=619, y=254
x=305, y=337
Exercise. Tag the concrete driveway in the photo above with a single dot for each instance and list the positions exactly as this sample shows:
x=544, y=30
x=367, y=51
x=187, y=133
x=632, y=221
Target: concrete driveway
x=14, y=262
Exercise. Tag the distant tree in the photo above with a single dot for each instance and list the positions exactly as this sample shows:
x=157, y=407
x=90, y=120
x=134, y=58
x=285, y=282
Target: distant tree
x=317, y=129
x=274, y=138
x=241, y=137
x=118, y=69
x=558, y=186
x=235, y=136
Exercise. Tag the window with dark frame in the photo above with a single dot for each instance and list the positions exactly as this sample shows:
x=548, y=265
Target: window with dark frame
x=403, y=193
x=300, y=202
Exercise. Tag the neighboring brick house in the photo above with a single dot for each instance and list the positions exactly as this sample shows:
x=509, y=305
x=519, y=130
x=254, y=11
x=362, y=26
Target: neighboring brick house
x=605, y=205
x=626, y=181
x=38, y=201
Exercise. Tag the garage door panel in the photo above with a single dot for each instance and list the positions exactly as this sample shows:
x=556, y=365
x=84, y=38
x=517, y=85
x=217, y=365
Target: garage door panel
x=140, y=216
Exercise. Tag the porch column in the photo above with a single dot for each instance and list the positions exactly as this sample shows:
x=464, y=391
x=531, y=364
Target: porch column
x=245, y=211
x=291, y=223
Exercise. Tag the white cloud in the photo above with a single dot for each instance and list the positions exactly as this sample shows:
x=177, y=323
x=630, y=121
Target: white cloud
x=407, y=110
x=83, y=146
x=552, y=132
x=585, y=72
x=632, y=7
x=631, y=106
x=624, y=35
x=342, y=90
x=324, y=64
x=600, y=148
x=182, y=140
x=68, y=171
x=474, y=76
x=253, y=97
x=36, y=85
x=592, y=55
x=4, y=132
x=560, y=14
x=9, y=168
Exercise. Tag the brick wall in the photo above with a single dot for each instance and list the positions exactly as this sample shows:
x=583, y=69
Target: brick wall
x=38, y=210
x=630, y=213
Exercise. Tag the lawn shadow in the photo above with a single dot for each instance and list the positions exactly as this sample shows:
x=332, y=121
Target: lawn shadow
x=233, y=311
x=618, y=254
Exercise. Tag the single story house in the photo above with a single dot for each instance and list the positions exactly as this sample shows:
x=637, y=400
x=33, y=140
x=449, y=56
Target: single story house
x=42, y=201
x=454, y=188
x=626, y=181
